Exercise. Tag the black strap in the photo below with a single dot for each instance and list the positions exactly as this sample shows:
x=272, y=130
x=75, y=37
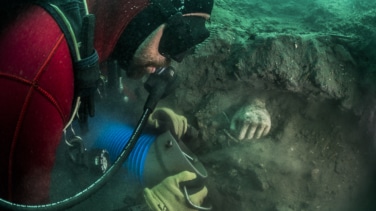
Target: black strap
x=166, y=7
x=73, y=21
x=73, y=11
x=86, y=66
x=87, y=35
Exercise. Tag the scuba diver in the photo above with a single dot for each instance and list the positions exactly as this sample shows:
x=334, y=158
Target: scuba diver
x=49, y=66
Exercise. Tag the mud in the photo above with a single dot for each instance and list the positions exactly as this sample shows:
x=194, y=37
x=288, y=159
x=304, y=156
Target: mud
x=304, y=60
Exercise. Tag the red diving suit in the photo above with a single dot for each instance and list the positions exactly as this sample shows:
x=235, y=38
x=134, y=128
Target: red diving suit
x=37, y=89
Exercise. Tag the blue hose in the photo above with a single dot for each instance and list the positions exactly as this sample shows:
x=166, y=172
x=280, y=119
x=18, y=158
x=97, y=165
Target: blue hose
x=114, y=136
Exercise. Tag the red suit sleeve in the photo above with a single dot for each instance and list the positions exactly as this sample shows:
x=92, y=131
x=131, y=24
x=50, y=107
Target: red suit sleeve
x=36, y=92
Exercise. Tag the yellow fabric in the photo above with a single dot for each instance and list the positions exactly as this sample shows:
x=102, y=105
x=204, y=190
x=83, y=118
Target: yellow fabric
x=166, y=119
x=167, y=195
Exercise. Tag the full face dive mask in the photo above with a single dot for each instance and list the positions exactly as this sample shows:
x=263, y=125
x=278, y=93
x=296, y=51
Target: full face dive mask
x=181, y=34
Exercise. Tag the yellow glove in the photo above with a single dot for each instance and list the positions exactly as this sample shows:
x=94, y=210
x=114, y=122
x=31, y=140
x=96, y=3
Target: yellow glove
x=166, y=119
x=167, y=196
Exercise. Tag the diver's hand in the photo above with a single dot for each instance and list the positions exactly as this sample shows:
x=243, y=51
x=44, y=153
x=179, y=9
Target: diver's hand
x=251, y=121
x=166, y=119
x=167, y=195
